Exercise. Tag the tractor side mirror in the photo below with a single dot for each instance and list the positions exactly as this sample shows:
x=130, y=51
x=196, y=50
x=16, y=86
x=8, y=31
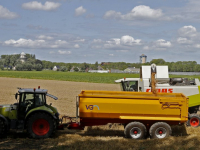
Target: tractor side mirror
x=16, y=96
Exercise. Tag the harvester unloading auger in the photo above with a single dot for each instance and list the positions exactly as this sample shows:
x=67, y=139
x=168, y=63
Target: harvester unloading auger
x=153, y=79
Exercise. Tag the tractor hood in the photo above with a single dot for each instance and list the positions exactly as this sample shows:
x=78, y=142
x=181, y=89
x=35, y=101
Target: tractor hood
x=5, y=106
x=5, y=110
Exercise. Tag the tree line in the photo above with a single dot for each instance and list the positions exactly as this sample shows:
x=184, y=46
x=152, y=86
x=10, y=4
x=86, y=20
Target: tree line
x=31, y=63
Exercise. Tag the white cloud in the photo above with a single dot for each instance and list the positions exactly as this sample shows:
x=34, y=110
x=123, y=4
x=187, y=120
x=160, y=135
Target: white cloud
x=111, y=54
x=24, y=43
x=64, y=52
x=163, y=44
x=138, y=12
x=160, y=44
x=128, y=40
x=44, y=37
x=34, y=5
x=6, y=14
x=29, y=43
x=51, y=52
x=146, y=47
x=79, y=11
x=187, y=31
x=97, y=41
x=76, y=46
x=181, y=40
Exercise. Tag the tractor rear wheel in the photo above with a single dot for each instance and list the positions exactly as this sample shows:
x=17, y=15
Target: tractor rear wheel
x=135, y=130
x=2, y=128
x=40, y=125
x=193, y=120
x=160, y=130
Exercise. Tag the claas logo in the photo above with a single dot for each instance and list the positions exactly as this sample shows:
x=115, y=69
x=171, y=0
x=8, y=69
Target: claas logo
x=161, y=90
x=91, y=107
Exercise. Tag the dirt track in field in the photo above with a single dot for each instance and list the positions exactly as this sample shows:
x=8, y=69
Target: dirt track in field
x=66, y=91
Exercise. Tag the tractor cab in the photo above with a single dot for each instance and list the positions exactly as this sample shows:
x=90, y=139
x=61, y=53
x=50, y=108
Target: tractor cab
x=29, y=99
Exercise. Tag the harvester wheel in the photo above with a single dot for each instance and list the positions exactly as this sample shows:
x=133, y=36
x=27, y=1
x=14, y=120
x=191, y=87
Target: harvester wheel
x=135, y=130
x=193, y=120
x=2, y=128
x=160, y=130
x=40, y=125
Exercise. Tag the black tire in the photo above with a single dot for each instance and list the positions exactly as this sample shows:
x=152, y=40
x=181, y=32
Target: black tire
x=3, y=129
x=41, y=125
x=160, y=130
x=193, y=120
x=135, y=130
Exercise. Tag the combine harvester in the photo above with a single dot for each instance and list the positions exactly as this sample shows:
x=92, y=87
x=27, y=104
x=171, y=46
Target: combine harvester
x=164, y=84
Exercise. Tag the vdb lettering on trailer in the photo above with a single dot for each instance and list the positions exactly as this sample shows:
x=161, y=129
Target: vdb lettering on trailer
x=91, y=107
x=161, y=90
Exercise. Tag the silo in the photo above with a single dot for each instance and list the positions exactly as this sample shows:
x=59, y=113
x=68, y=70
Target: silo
x=143, y=59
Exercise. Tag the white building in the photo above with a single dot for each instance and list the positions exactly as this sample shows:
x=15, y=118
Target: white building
x=22, y=57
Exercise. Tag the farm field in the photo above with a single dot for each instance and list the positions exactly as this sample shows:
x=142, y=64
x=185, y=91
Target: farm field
x=76, y=76
x=102, y=137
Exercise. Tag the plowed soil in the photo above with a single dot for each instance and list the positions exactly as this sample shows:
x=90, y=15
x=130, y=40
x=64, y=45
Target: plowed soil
x=66, y=91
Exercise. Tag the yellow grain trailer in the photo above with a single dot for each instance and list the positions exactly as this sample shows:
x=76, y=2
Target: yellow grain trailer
x=139, y=112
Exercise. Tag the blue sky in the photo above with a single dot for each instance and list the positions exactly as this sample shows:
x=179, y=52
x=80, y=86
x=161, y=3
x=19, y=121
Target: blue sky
x=101, y=30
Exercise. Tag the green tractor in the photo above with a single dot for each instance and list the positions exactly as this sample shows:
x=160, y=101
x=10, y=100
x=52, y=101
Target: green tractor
x=30, y=113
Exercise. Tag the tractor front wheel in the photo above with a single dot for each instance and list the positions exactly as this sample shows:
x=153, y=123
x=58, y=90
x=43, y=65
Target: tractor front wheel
x=40, y=125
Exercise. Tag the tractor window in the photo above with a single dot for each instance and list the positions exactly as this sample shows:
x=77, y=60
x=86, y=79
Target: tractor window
x=131, y=85
x=39, y=99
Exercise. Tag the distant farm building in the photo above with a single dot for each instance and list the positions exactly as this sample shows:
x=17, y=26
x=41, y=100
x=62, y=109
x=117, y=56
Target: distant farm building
x=132, y=70
x=99, y=71
x=56, y=68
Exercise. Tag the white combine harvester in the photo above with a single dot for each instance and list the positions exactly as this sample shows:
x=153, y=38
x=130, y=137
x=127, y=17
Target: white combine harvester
x=164, y=84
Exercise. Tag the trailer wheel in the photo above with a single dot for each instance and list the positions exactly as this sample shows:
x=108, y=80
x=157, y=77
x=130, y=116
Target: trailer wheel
x=194, y=120
x=2, y=129
x=160, y=130
x=135, y=130
x=40, y=125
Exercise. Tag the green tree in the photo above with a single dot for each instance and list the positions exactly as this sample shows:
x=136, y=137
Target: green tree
x=7, y=61
x=96, y=65
x=76, y=69
x=38, y=67
x=84, y=66
x=13, y=60
x=19, y=67
x=27, y=66
x=63, y=68
x=157, y=61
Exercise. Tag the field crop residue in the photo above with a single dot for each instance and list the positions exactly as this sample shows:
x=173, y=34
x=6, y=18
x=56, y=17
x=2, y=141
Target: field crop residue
x=110, y=136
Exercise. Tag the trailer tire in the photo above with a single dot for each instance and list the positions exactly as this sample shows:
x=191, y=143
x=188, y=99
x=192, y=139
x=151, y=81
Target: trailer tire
x=41, y=125
x=160, y=130
x=193, y=120
x=135, y=130
x=3, y=129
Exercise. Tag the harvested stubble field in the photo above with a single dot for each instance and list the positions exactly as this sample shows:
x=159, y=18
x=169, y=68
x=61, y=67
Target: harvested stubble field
x=102, y=137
